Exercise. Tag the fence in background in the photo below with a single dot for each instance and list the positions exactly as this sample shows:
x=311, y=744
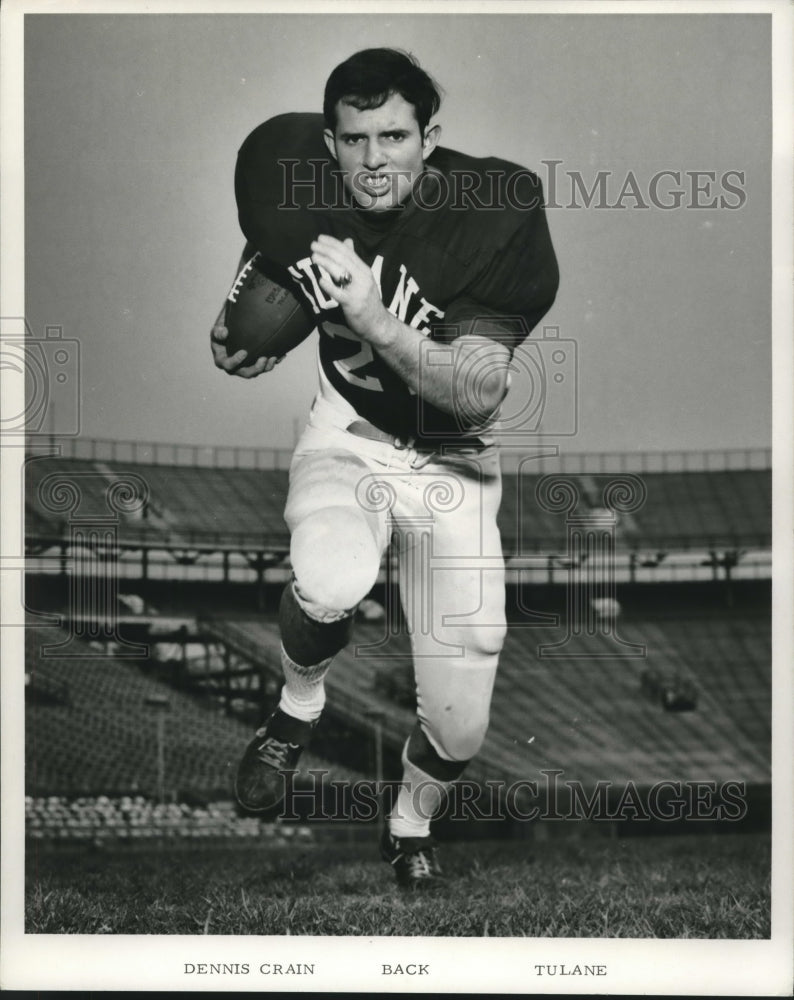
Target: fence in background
x=229, y=457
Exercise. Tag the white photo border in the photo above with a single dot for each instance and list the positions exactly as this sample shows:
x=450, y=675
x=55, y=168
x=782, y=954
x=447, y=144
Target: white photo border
x=682, y=967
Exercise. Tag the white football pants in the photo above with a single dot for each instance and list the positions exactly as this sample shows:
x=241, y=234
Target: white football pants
x=347, y=496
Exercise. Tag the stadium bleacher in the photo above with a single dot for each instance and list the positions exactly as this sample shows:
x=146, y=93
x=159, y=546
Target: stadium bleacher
x=241, y=501
x=38, y=525
x=193, y=501
x=585, y=712
x=524, y=525
x=101, y=736
x=98, y=819
x=90, y=734
x=682, y=509
x=703, y=508
x=46, y=481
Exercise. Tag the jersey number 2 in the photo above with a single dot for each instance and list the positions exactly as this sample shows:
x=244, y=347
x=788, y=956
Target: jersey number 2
x=347, y=367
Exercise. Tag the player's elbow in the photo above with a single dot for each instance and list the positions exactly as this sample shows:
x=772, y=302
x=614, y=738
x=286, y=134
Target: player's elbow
x=480, y=386
x=495, y=385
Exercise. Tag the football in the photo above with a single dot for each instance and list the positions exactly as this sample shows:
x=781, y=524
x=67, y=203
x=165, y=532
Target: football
x=263, y=316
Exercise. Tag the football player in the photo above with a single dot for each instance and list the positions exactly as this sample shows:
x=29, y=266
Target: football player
x=425, y=268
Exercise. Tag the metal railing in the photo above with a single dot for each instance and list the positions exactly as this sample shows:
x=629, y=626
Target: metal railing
x=132, y=536
x=612, y=462
x=164, y=453
x=513, y=458
x=276, y=545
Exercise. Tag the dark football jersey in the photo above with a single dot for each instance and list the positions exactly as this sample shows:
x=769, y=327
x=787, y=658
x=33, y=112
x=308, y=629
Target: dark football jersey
x=468, y=251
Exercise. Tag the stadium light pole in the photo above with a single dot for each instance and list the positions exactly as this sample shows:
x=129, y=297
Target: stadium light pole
x=160, y=703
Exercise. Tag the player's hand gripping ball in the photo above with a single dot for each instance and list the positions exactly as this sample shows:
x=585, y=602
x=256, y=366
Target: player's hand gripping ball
x=262, y=316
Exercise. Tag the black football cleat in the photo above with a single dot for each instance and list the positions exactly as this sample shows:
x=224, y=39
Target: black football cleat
x=276, y=747
x=413, y=860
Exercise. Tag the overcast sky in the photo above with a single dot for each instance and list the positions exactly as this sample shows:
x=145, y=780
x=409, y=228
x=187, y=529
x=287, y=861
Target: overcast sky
x=132, y=128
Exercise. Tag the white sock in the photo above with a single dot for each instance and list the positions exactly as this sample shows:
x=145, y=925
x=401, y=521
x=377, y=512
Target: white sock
x=303, y=693
x=418, y=800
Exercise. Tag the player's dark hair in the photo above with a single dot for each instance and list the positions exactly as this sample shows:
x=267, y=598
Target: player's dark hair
x=369, y=78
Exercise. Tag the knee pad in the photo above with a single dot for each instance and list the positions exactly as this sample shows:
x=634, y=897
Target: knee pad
x=306, y=640
x=335, y=558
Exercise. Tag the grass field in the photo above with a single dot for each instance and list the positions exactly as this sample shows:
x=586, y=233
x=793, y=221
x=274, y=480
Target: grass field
x=673, y=887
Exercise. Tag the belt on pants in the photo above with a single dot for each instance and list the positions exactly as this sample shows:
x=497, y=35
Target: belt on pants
x=364, y=429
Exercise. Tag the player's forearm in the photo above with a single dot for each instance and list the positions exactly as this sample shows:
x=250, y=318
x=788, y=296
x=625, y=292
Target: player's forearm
x=450, y=377
x=469, y=383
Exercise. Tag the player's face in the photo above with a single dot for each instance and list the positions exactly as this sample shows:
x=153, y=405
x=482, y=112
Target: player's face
x=381, y=151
